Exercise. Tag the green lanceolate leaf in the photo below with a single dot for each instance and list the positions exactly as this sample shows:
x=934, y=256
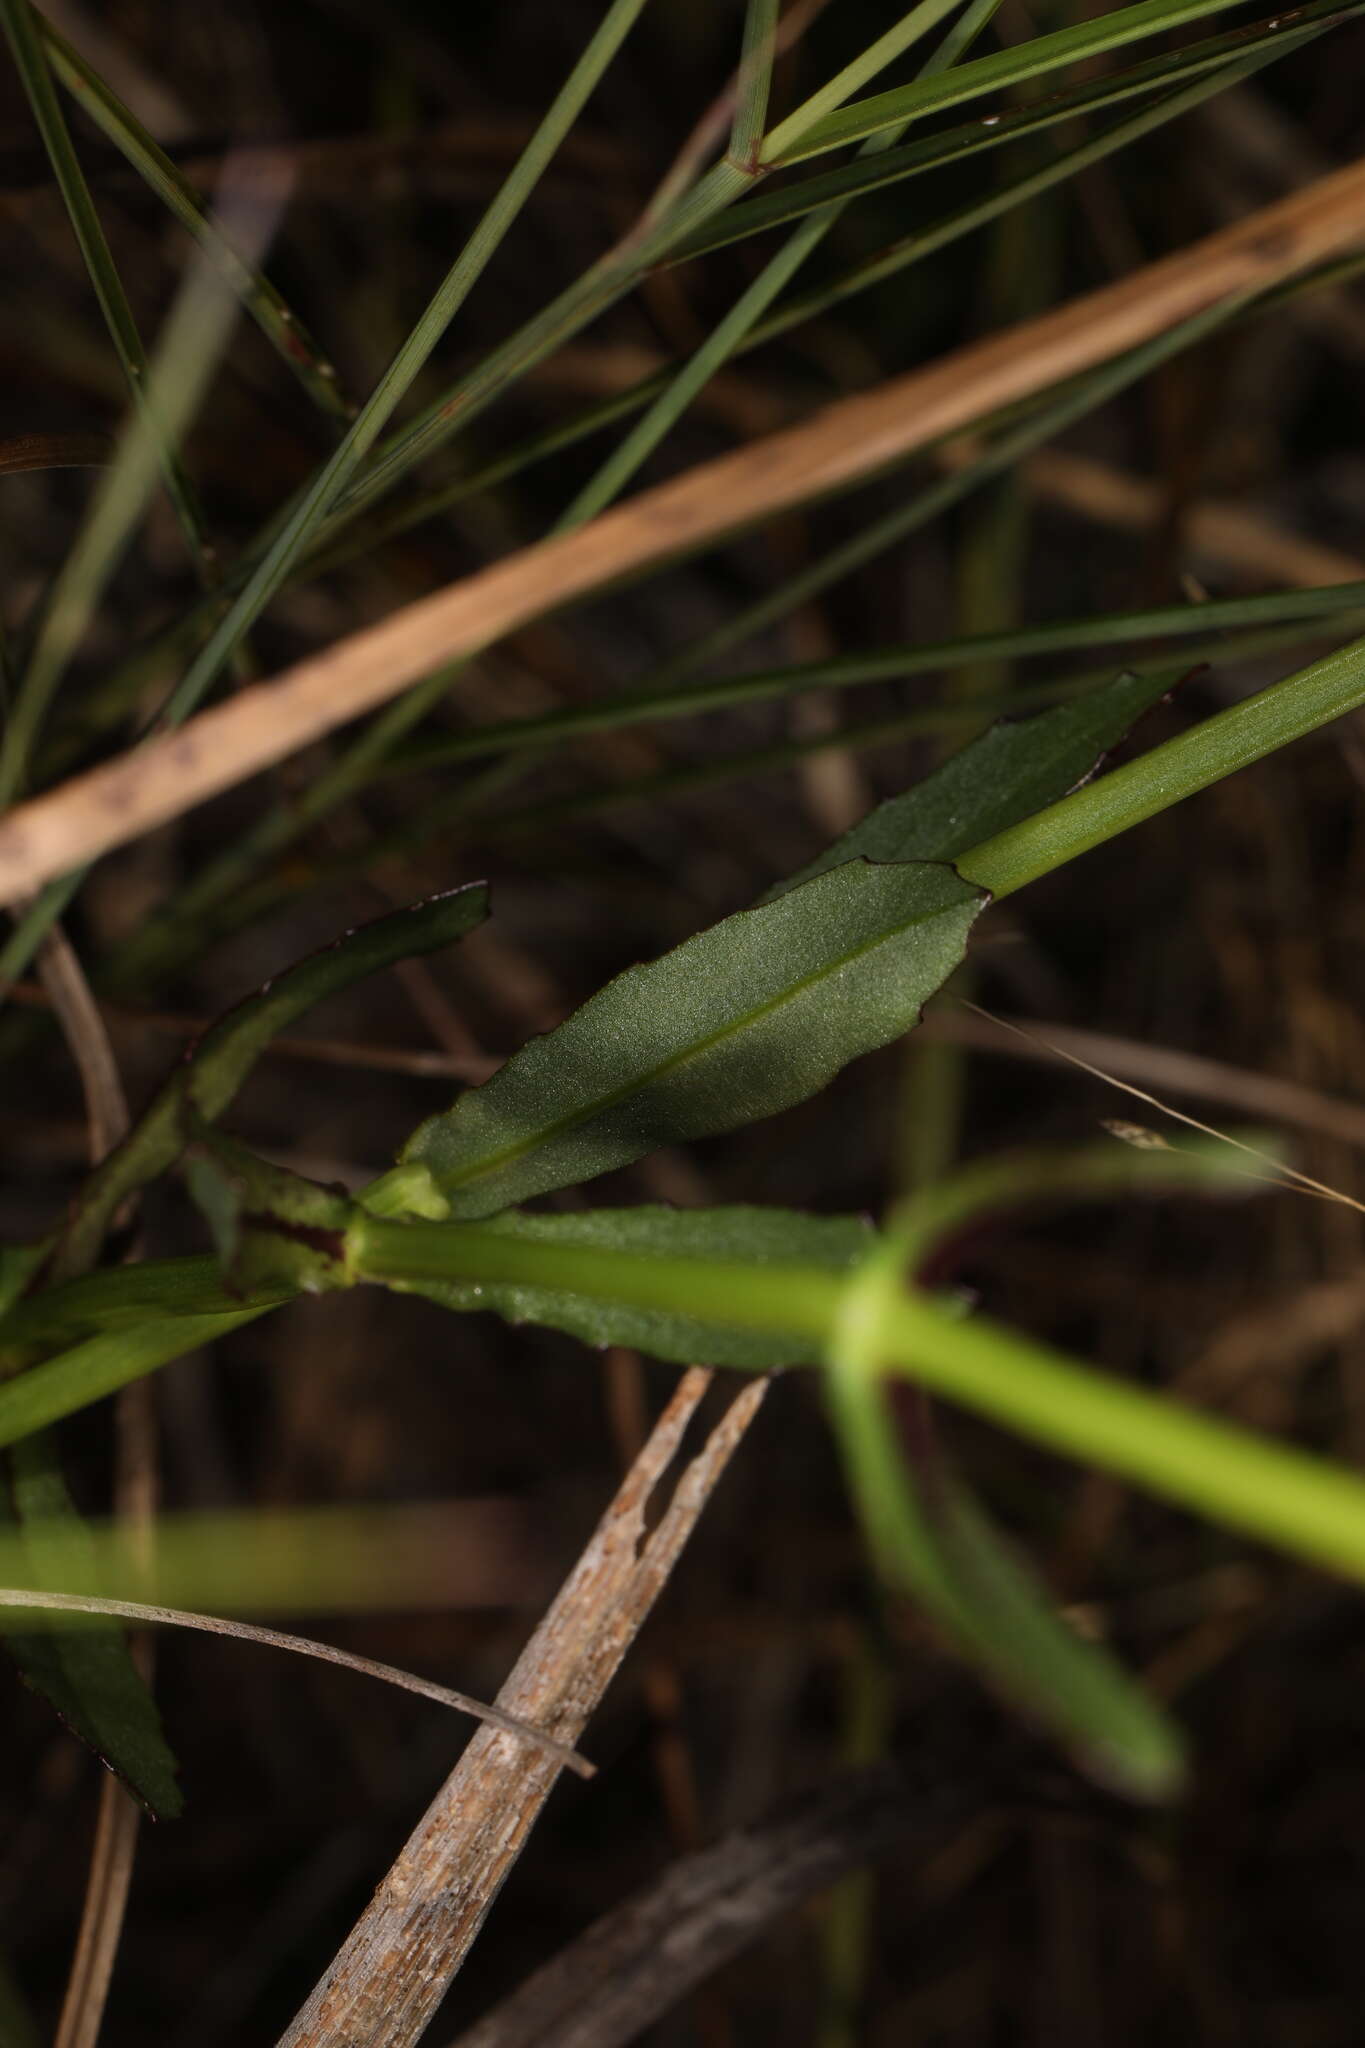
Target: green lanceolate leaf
x=205, y=1084
x=87, y=1674
x=762, y=1237
x=1008, y=774
x=764, y=1008
x=737, y=1023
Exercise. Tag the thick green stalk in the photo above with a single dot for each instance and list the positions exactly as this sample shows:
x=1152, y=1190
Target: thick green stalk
x=1266, y=1489
x=1168, y=774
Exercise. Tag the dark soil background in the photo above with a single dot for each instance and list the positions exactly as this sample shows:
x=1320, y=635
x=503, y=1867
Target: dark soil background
x=1042, y=1911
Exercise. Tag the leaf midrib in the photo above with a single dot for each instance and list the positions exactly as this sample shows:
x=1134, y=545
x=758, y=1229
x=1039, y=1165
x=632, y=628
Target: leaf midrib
x=547, y=1133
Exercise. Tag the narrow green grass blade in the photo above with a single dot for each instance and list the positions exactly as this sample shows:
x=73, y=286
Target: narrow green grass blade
x=608, y=281
x=26, y=44
x=730, y=332
x=615, y=473
x=755, y=80
x=98, y=1366
x=1338, y=602
x=279, y=828
x=1046, y=421
x=870, y=271
x=281, y=327
x=305, y=520
x=891, y=163
x=941, y=234
x=796, y=138
x=260, y=1560
x=33, y=926
x=809, y=117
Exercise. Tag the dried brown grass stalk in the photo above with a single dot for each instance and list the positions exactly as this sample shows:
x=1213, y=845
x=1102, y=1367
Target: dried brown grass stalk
x=112, y=804
x=384, y=1986
x=118, y=1818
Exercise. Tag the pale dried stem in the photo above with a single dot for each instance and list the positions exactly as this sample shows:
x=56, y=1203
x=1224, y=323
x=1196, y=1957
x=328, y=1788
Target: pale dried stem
x=392, y=1972
x=40, y=1601
x=75, y=1008
x=118, y=1817
x=106, y=1900
x=1270, y=1096
x=112, y=804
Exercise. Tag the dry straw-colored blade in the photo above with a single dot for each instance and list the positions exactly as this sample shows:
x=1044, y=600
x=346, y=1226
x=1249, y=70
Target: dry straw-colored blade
x=849, y=440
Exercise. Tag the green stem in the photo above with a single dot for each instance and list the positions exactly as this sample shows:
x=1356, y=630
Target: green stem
x=1266, y=1489
x=1168, y=774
